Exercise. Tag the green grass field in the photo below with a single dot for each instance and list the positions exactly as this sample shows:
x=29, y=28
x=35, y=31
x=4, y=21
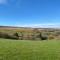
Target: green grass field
x=29, y=50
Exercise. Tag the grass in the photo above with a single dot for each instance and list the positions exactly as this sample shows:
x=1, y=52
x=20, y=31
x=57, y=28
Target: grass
x=29, y=50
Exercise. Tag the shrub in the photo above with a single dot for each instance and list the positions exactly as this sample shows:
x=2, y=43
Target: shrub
x=42, y=37
x=16, y=35
x=8, y=36
x=51, y=37
x=3, y=35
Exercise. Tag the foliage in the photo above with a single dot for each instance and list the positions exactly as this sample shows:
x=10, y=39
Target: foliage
x=51, y=37
x=8, y=36
x=42, y=37
x=29, y=33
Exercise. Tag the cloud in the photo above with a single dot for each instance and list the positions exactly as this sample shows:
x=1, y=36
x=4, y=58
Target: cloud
x=46, y=25
x=13, y=3
x=3, y=1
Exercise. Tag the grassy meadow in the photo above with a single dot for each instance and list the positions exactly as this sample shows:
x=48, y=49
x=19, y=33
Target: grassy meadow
x=29, y=50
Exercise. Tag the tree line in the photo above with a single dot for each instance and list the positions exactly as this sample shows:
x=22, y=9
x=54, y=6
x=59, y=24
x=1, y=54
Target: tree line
x=20, y=36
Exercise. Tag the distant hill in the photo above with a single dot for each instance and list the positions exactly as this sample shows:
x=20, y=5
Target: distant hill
x=14, y=27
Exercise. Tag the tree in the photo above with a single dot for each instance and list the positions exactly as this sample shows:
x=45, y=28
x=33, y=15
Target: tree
x=21, y=36
x=17, y=35
x=42, y=37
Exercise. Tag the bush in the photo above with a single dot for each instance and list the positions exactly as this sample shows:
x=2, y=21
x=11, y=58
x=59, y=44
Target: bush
x=8, y=36
x=51, y=37
x=3, y=35
x=42, y=37
x=16, y=35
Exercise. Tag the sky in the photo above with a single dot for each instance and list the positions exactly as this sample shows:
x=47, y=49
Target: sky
x=30, y=13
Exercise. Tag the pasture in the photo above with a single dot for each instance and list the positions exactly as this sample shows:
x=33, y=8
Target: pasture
x=29, y=50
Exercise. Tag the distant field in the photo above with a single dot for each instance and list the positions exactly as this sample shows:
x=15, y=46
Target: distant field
x=29, y=33
x=29, y=50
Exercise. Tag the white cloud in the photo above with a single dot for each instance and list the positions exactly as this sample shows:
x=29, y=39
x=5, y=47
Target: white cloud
x=46, y=25
x=3, y=1
x=11, y=2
